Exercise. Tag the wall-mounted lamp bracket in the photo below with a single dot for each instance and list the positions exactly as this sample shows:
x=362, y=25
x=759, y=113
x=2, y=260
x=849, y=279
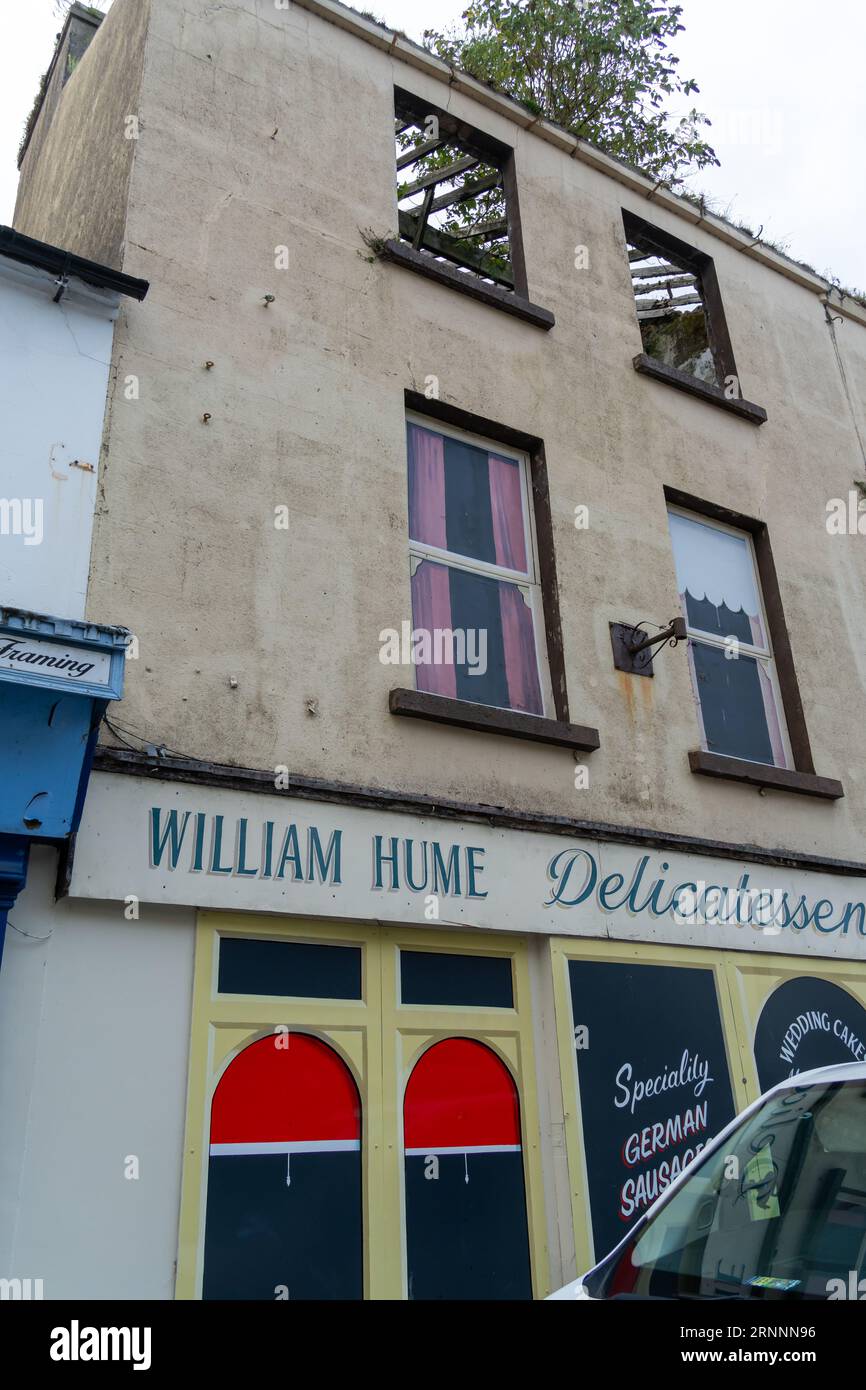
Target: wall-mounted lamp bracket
x=632, y=647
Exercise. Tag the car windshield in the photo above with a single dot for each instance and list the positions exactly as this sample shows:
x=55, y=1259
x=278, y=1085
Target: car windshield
x=777, y=1211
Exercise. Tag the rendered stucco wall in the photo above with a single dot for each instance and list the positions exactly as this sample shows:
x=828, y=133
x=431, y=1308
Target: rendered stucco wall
x=306, y=400
x=266, y=127
x=74, y=40
x=75, y=175
x=94, y=1036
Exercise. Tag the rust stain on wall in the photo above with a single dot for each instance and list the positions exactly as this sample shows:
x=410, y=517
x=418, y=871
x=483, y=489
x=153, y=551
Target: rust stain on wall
x=626, y=685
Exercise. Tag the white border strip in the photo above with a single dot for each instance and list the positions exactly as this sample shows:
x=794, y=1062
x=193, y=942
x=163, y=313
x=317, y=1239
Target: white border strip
x=464, y=1149
x=288, y=1146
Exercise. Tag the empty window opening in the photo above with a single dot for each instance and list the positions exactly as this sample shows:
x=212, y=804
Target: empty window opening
x=671, y=314
x=679, y=307
x=452, y=197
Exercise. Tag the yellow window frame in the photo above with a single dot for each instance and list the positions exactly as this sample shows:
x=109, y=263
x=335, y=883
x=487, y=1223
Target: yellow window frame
x=380, y=1040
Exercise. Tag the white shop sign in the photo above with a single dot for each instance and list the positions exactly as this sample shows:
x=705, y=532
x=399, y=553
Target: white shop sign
x=29, y=657
x=167, y=842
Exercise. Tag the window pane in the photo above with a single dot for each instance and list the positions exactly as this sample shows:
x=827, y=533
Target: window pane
x=716, y=580
x=433, y=977
x=465, y=499
x=733, y=707
x=296, y=968
x=474, y=638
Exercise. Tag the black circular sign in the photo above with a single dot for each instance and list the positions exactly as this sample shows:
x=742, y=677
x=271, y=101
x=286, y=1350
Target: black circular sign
x=805, y=1023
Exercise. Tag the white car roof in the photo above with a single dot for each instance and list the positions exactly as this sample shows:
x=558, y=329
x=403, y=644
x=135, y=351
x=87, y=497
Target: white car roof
x=839, y=1071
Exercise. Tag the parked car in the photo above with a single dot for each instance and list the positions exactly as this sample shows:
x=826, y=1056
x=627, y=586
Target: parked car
x=773, y=1208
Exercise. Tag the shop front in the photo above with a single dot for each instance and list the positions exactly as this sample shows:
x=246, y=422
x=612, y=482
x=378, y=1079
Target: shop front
x=434, y=1057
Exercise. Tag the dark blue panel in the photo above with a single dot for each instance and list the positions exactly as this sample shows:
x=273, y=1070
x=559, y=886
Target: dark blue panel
x=468, y=510
x=304, y=969
x=732, y=705
x=475, y=606
x=467, y=1240
x=42, y=757
x=261, y=1233
x=433, y=977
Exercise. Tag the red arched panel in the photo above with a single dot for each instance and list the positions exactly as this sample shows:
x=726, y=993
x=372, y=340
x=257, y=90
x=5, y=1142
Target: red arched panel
x=461, y=1097
x=287, y=1092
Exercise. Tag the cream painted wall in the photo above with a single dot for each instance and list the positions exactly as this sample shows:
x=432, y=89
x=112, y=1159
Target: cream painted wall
x=94, y=1039
x=266, y=127
x=75, y=172
x=54, y=368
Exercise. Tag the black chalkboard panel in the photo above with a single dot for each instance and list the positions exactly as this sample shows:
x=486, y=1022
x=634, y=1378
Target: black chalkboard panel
x=805, y=1023
x=654, y=1082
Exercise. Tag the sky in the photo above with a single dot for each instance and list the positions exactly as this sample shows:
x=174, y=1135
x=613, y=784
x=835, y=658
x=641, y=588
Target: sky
x=781, y=80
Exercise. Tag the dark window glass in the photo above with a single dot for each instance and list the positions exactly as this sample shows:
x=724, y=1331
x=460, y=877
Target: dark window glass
x=433, y=977
x=298, y=968
x=732, y=704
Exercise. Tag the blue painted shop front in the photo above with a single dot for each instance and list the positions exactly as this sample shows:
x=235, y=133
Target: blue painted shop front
x=57, y=677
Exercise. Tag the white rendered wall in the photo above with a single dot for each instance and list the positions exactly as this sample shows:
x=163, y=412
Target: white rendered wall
x=54, y=366
x=94, y=1039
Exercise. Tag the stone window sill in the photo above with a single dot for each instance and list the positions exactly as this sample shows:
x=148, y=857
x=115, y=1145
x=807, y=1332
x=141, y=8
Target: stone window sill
x=650, y=366
x=398, y=253
x=464, y=714
x=762, y=775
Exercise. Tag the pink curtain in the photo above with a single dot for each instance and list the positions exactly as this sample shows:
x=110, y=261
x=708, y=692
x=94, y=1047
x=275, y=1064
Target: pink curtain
x=769, y=697
x=518, y=640
x=427, y=487
x=772, y=718
x=758, y=634
x=431, y=609
x=506, y=506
